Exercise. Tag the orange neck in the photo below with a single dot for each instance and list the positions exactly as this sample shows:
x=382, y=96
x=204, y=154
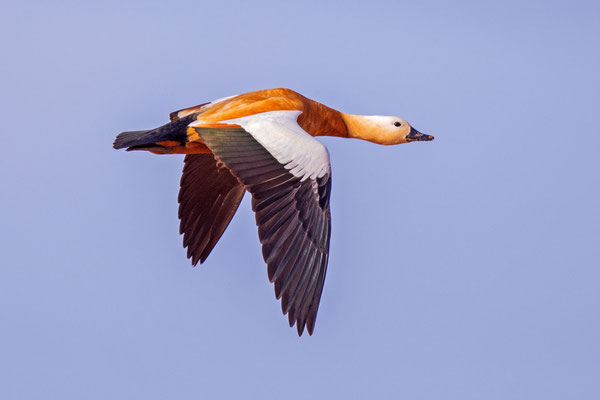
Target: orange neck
x=319, y=120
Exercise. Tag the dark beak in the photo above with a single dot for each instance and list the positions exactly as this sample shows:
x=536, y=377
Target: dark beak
x=415, y=135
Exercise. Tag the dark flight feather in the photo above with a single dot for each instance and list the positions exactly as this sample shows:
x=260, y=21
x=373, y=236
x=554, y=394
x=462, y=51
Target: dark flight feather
x=208, y=198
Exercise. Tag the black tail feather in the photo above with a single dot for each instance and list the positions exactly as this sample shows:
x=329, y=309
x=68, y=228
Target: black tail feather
x=131, y=138
x=174, y=130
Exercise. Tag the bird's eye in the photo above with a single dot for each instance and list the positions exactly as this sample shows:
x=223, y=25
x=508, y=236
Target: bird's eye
x=397, y=123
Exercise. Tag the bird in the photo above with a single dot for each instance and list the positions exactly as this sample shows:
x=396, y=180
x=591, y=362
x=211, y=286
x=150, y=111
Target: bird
x=263, y=142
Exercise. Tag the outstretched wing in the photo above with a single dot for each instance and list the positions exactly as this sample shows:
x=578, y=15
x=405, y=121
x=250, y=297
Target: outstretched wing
x=208, y=198
x=287, y=172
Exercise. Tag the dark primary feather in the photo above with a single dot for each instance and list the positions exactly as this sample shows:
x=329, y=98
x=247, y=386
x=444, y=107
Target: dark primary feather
x=208, y=199
x=293, y=218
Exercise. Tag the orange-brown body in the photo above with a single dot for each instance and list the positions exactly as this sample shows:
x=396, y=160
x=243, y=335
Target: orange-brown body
x=316, y=118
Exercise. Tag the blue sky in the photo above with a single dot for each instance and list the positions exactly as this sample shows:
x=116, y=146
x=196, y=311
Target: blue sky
x=463, y=268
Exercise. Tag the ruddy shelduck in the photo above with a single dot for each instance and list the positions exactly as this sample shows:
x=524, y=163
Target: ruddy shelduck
x=263, y=142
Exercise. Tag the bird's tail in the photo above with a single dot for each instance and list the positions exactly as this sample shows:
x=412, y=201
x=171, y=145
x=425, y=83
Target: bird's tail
x=174, y=131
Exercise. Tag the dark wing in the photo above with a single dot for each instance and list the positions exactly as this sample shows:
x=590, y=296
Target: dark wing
x=293, y=218
x=208, y=199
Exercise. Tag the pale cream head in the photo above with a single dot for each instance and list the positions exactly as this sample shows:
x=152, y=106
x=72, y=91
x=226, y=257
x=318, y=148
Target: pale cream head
x=382, y=129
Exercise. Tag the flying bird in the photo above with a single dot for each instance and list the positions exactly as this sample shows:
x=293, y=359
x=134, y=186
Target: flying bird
x=263, y=142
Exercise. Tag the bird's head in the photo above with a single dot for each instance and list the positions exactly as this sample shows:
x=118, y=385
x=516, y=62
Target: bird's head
x=382, y=130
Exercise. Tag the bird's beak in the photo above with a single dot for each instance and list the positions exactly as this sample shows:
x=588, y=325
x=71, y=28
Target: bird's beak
x=415, y=135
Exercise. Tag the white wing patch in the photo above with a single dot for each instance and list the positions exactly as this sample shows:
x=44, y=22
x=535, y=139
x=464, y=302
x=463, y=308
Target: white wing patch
x=279, y=133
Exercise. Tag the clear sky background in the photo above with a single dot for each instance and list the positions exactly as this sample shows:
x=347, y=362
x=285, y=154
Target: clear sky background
x=463, y=268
